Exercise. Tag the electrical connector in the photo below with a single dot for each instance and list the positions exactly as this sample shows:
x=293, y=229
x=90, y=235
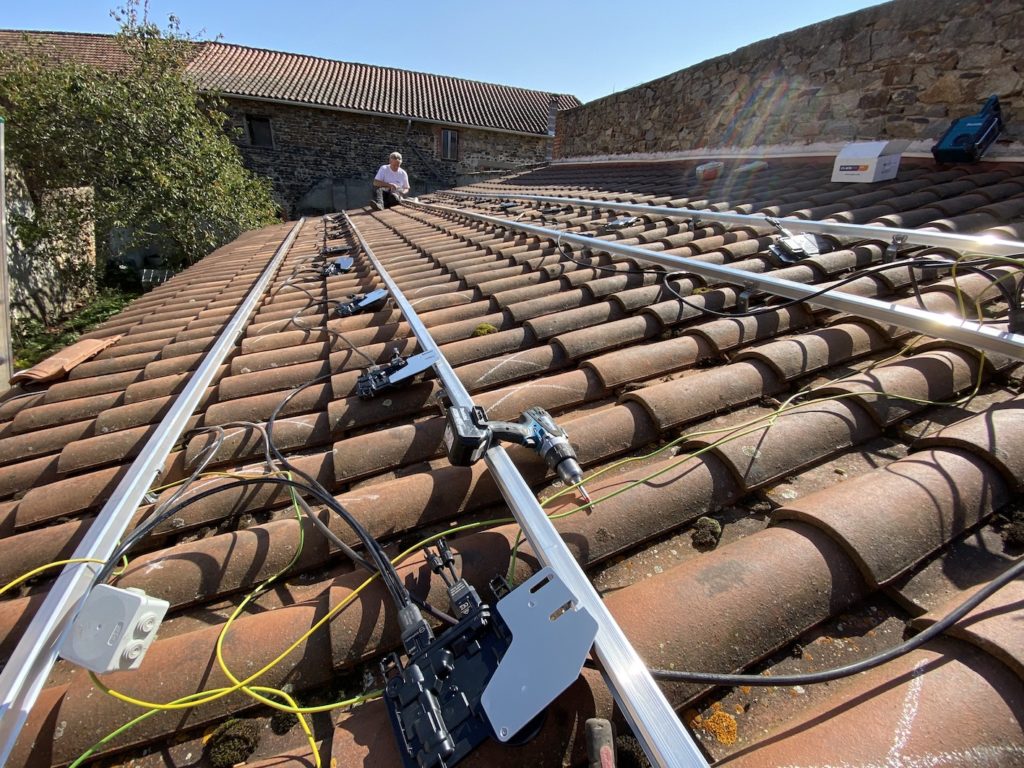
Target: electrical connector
x=114, y=629
x=363, y=302
x=398, y=371
x=340, y=266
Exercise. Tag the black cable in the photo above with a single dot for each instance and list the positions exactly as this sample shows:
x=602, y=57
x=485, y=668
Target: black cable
x=329, y=331
x=150, y=524
x=710, y=678
x=399, y=593
x=363, y=563
x=600, y=267
x=387, y=570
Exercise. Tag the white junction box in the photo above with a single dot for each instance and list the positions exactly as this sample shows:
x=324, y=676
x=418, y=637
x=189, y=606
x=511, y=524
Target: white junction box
x=113, y=629
x=869, y=161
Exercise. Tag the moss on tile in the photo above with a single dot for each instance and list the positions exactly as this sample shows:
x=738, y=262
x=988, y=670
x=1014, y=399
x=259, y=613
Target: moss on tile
x=705, y=533
x=484, y=329
x=282, y=722
x=232, y=743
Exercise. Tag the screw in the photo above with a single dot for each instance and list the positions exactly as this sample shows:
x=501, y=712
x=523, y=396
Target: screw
x=503, y=733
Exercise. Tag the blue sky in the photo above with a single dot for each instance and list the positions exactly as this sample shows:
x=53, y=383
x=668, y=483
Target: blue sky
x=589, y=49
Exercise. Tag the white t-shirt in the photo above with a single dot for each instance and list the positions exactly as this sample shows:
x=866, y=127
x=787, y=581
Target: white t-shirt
x=399, y=178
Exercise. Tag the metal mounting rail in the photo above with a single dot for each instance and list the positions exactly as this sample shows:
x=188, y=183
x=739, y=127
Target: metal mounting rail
x=946, y=327
x=26, y=671
x=982, y=244
x=654, y=723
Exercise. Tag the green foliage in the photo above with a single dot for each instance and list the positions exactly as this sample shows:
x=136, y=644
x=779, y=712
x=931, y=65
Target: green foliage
x=34, y=341
x=164, y=172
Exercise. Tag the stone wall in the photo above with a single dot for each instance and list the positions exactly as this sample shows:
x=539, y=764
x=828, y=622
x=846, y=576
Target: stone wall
x=324, y=160
x=51, y=276
x=904, y=69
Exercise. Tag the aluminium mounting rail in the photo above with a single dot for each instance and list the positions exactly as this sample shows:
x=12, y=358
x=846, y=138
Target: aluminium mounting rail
x=654, y=723
x=986, y=245
x=26, y=671
x=947, y=327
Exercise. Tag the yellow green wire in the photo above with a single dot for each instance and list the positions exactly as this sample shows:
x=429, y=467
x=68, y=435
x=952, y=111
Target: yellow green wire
x=754, y=425
x=56, y=564
x=197, y=699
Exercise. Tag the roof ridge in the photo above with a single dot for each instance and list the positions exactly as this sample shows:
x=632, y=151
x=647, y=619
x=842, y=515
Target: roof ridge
x=381, y=67
x=207, y=44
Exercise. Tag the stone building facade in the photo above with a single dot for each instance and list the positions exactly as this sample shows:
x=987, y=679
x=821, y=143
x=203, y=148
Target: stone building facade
x=324, y=160
x=320, y=128
x=903, y=69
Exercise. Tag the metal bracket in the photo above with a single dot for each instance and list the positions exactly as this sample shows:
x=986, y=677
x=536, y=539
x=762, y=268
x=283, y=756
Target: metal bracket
x=620, y=222
x=363, y=302
x=340, y=266
x=399, y=370
x=551, y=637
x=892, y=251
x=743, y=299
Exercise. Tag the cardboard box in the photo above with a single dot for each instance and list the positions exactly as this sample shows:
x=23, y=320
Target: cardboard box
x=868, y=161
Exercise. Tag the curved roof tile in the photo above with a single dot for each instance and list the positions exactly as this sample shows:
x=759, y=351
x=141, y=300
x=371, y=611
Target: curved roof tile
x=236, y=70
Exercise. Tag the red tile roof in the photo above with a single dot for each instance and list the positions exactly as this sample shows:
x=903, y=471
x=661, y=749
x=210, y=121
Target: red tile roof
x=235, y=70
x=843, y=519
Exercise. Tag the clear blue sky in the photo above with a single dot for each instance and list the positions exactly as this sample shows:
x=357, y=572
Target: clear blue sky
x=589, y=49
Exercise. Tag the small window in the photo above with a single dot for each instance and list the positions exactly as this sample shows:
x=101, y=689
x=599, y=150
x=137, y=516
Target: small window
x=449, y=144
x=260, y=134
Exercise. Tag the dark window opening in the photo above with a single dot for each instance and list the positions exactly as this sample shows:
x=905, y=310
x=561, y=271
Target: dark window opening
x=260, y=134
x=449, y=144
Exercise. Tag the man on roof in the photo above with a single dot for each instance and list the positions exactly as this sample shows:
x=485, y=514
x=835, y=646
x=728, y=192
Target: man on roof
x=391, y=183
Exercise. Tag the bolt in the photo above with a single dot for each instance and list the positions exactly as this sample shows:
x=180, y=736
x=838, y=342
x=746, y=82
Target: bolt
x=503, y=733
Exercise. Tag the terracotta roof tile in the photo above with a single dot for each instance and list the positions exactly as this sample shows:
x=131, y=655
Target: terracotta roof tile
x=860, y=492
x=950, y=486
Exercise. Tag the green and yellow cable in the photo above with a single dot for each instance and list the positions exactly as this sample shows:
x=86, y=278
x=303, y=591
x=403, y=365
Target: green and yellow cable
x=395, y=561
x=146, y=715
x=753, y=425
x=56, y=564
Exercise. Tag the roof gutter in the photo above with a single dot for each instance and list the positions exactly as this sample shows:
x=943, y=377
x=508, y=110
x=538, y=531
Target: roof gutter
x=25, y=673
x=654, y=722
x=947, y=327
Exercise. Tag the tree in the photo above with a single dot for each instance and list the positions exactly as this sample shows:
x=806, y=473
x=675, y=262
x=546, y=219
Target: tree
x=153, y=148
